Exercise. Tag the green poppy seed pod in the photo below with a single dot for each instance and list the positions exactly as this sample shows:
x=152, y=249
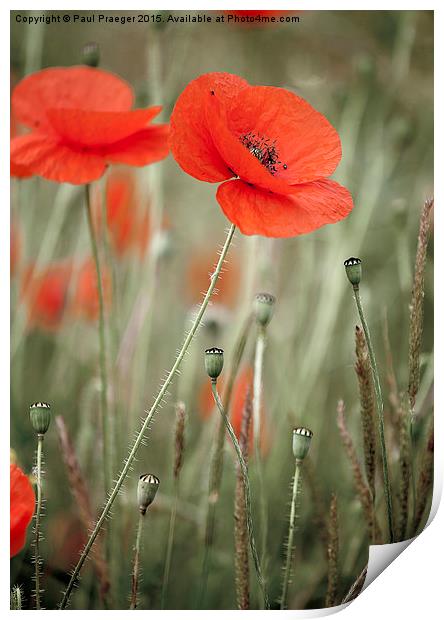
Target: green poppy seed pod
x=146, y=491
x=263, y=308
x=353, y=269
x=301, y=442
x=91, y=54
x=40, y=415
x=214, y=362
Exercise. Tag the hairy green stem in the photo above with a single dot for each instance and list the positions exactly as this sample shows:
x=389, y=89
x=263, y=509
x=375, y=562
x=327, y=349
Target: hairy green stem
x=107, y=474
x=291, y=529
x=216, y=467
x=257, y=404
x=38, y=510
x=169, y=554
x=135, y=576
x=380, y=408
x=246, y=480
x=139, y=439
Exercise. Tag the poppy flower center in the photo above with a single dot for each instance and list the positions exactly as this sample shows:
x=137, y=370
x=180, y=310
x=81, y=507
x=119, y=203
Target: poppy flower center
x=264, y=150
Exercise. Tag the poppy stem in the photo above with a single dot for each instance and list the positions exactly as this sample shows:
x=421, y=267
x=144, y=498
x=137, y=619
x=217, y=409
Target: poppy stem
x=291, y=529
x=169, y=554
x=136, y=563
x=146, y=423
x=380, y=409
x=246, y=481
x=107, y=475
x=37, y=559
x=257, y=404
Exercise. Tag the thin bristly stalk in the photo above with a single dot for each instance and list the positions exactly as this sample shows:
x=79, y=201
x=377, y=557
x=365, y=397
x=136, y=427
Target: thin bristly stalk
x=257, y=404
x=356, y=586
x=367, y=399
x=38, y=510
x=291, y=530
x=246, y=481
x=136, y=563
x=333, y=550
x=179, y=441
x=405, y=467
x=107, y=474
x=140, y=437
x=216, y=466
x=16, y=598
x=241, y=558
x=380, y=409
x=81, y=495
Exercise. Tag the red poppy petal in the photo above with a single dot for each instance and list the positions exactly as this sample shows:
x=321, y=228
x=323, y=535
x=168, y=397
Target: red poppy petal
x=84, y=88
x=305, y=141
x=54, y=161
x=22, y=502
x=256, y=212
x=18, y=171
x=237, y=156
x=92, y=128
x=190, y=138
x=140, y=149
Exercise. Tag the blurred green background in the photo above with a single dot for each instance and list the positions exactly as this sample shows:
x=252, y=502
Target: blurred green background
x=371, y=75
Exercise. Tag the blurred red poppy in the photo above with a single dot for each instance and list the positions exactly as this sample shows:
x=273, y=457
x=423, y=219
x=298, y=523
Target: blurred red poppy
x=81, y=120
x=15, y=245
x=243, y=383
x=22, y=502
x=85, y=301
x=200, y=266
x=46, y=294
x=277, y=148
x=127, y=217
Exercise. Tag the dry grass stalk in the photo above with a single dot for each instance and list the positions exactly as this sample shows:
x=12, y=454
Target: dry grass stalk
x=333, y=547
x=240, y=516
x=362, y=489
x=367, y=398
x=179, y=439
x=417, y=303
x=405, y=467
x=425, y=481
x=356, y=587
x=80, y=493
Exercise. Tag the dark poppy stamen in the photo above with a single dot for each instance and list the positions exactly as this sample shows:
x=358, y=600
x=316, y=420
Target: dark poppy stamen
x=263, y=149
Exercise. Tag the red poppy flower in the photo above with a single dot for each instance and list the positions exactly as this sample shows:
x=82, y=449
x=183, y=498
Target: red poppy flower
x=127, y=217
x=46, y=294
x=22, y=503
x=81, y=120
x=276, y=149
x=85, y=303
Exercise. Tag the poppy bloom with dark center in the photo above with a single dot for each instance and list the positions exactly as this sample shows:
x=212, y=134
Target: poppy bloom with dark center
x=272, y=149
x=22, y=502
x=81, y=121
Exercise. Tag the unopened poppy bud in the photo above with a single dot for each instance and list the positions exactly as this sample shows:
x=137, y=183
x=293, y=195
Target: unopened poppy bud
x=146, y=491
x=353, y=269
x=301, y=442
x=214, y=362
x=91, y=54
x=40, y=415
x=263, y=308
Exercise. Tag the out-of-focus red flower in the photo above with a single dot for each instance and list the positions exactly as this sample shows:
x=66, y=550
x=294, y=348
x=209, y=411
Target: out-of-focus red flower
x=16, y=170
x=243, y=383
x=22, y=502
x=127, y=217
x=199, y=268
x=270, y=146
x=85, y=300
x=46, y=294
x=81, y=121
